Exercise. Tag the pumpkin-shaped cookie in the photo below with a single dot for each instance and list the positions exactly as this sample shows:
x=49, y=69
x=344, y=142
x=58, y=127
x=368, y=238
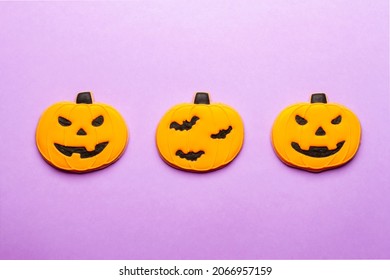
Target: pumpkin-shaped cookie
x=316, y=136
x=200, y=136
x=81, y=136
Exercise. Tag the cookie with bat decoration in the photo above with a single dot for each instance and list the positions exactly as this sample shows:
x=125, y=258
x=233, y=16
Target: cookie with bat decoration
x=81, y=136
x=200, y=136
x=316, y=136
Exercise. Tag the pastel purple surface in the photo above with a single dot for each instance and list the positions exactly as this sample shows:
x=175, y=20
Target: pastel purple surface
x=143, y=57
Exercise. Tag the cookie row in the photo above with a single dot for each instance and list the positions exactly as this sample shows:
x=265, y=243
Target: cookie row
x=201, y=136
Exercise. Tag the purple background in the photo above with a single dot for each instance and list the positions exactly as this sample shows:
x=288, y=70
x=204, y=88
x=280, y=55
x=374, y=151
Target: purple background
x=144, y=57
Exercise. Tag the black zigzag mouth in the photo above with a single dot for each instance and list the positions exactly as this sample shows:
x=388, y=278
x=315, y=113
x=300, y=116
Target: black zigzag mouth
x=317, y=151
x=69, y=150
x=192, y=156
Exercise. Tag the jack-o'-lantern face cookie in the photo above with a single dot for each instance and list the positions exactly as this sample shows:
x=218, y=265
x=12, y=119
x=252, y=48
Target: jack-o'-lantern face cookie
x=200, y=136
x=316, y=136
x=81, y=136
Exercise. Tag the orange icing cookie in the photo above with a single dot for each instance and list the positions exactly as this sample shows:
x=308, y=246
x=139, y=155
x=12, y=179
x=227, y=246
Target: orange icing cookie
x=316, y=136
x=200, y=136
x=81, y=136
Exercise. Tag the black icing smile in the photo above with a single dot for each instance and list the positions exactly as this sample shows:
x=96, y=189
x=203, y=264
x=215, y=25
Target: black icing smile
x=192, y=156
x=317, y=151
x=68, y=150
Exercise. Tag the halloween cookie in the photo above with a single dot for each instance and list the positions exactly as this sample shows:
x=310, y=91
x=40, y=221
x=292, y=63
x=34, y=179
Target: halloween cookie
x=81, y=136
x=316, y=136
x=200, y=136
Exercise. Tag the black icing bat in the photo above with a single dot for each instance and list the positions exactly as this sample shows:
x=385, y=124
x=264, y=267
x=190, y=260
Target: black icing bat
x=222, y=133
x=187, y=125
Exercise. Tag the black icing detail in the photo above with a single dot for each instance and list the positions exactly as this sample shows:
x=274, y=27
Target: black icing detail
x=336, y=120
x=84, y=98
x=81, y=132
x=98, y=121
x=222, y=133
x=192, y=156
x=64, y=122
x=317, y=151
x=202, y=98
x=300, y=120
x=318, y=98
x=320, y=131
x=187, y=125
x=68, y=150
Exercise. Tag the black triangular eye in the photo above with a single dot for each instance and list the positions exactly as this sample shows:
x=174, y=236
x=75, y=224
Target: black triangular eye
x=64, y=122
x=98, y=121
x=300, y=120
x=336, y=120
